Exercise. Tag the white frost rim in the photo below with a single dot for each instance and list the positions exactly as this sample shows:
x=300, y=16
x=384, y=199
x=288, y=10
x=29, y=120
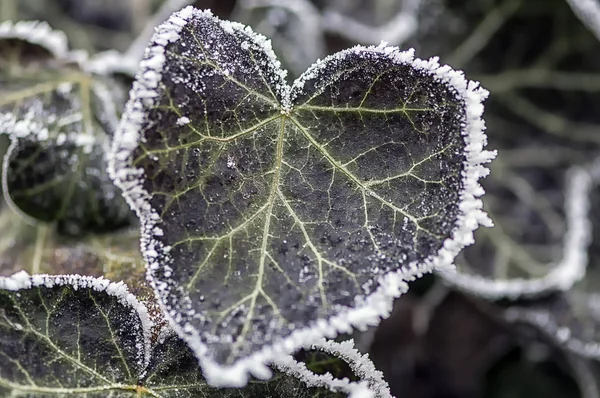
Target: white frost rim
x=36, y=32
x=371, y=385
x=22, y=281
x=15, y=129
x=368, y=311
x=567, y=272
x=547, y=324
x=588, y=12
x=41, y=34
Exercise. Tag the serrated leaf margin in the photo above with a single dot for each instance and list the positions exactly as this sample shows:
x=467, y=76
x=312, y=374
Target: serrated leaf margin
x=369, y=311
x=360, y=364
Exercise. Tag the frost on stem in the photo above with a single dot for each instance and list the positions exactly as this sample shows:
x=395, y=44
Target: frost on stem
x=260, y=215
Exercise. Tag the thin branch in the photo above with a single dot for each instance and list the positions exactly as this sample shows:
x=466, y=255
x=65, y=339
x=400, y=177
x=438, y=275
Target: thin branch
x=552, y=123
x=401, y=28
x=540, y=78
x=483, y=33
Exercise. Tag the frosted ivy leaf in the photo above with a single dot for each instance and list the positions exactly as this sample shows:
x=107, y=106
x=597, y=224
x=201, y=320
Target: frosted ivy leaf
x=540, y=237
x=572, y=318
x=70, y=335
x=60, y=120
x=272, y=214
x=79, y=336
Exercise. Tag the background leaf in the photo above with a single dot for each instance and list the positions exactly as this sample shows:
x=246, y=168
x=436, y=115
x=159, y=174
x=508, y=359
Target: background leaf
x=69, y=335
x=60, y=119
x=82, y=336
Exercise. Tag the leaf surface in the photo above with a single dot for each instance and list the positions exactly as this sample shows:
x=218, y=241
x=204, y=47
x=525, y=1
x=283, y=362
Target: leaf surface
x=267, y=207
x=86, y=337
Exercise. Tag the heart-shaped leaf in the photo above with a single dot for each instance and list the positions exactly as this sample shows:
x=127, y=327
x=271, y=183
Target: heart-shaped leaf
x=80, y=336
x=273, y=214
x=60, y=119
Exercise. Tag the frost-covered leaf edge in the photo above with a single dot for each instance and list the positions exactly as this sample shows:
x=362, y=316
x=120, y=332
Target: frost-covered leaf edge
x=22, y=280
x=40, y=33
x=369, y=311
x=55, y=41
x=562, y=335
x=36, y=32
x=567, y=272
x=588, y=12
x=360, y=364
x=28, y=127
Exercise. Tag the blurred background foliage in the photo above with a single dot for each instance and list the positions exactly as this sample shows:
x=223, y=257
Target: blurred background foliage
x=445, y=339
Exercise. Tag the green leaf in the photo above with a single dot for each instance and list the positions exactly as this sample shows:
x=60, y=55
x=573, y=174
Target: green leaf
x=60, y=119
x=86, y=337
x=70, y=335
x=266, y=208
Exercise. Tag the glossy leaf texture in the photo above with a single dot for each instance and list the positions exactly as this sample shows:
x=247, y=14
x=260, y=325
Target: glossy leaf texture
x=60, y=119
x=270, y=212
x=86, y=337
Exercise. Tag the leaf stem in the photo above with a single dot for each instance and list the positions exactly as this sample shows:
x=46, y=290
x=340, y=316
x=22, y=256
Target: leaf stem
x=40, y=243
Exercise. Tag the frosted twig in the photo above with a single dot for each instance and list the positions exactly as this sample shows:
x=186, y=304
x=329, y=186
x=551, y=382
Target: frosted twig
x=401, y=28
x=588, y=11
